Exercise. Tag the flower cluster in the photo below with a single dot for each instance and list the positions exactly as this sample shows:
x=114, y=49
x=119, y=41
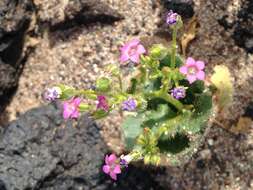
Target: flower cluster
x=113, y=165
x=165, y=96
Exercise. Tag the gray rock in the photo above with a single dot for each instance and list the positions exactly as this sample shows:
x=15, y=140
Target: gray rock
x=41, y=151
x=14, y=21
x=40, y=144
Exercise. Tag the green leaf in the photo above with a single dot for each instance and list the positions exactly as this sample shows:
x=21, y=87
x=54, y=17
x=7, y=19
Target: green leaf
x=174, y=144
x=186, y=123
x=103, y=84
x=202, y=103
x=166, y=61
x=176, y=75
x=195, y=88
x=132, y=128
x=68, y=93
x=83, y=107
x=113, y=69
x=152, y=85
x=157, y=117
x=196, y=123
x=98, y=114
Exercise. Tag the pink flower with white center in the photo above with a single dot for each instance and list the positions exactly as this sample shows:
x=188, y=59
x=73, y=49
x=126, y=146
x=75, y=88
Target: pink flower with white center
x=71, y=108
x=132, y=51
x=193, y=70
x=112, y=166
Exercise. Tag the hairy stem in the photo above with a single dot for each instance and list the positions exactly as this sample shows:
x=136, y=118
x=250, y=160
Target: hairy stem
x=87, y=93
x=120, y=83
x=174, y=47
x=168, y=98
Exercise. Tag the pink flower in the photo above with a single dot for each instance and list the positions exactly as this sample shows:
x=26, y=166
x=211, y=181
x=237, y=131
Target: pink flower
x=70, y=108
x=112, y=166
x=132, y=51
x=193, y=70
x=102, y=103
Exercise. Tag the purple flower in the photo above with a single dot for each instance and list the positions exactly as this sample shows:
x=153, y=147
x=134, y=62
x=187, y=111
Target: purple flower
x=178, y=92
x=132, y=51
x=71, y=108
x=123, y=163
x=193, y=70
x=172, y=18
x=52, y=94
x=112, y=166
x=125, y=160
x=129, y=105
x=102, y=103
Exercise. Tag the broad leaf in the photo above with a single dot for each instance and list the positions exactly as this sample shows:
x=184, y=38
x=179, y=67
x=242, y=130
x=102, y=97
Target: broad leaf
x=202, y=103
x=132, y=129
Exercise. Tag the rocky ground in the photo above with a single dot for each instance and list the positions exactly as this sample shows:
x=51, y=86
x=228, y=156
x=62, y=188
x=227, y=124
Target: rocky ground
x=73, y=46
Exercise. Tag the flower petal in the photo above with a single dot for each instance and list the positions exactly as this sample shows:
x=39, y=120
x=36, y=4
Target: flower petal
x=77, y=101
x=117, y=169
x=107, y=160
x=66, y=115
x=141, y=49
x=200, y=65
x=113, y=175
x=106, y=169
x=75, y=114
x=135, y=58
x=124, y=48
x=190, y=61
x=191, y=78
x=66, y=111
x=124, y=57
x=183, y=70
x=111, y=159
x=201, y=75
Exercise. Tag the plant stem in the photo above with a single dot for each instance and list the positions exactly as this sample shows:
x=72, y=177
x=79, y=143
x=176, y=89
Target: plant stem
x=168, y=98
x=87, y=93
x=174, y=47
x=120, y=83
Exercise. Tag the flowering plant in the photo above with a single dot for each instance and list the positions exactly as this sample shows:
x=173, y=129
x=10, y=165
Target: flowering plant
x=166, y=100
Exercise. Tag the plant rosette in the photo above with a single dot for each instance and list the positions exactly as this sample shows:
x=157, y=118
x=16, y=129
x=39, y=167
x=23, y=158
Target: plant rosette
x=167, y=102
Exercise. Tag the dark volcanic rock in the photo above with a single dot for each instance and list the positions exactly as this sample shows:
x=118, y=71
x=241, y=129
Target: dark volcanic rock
x=249, y=111
x=14, y=21
x=41, y=151
x=182, y=7
x=243, y=33
x=241, y=26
